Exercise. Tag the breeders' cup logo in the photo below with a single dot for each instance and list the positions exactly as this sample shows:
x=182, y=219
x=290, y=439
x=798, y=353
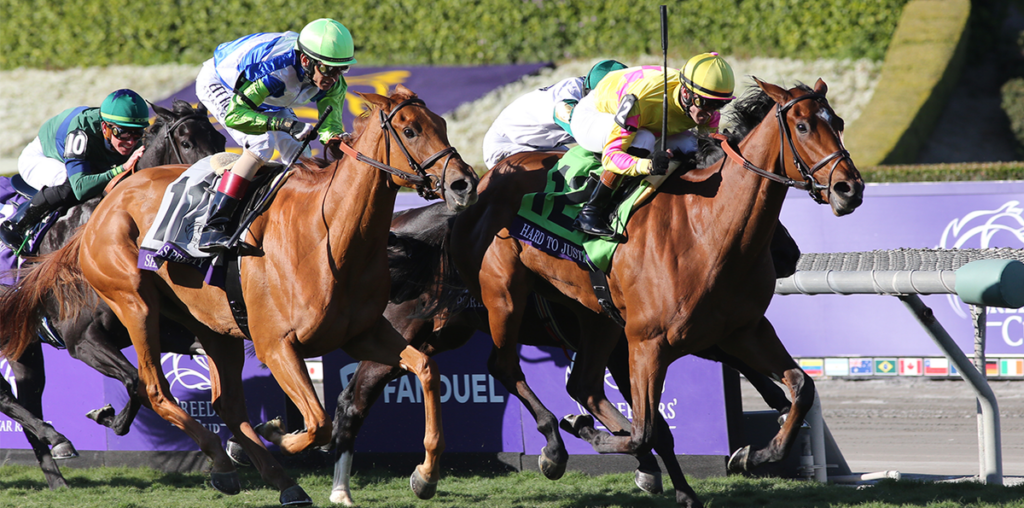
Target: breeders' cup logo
x=985, y=229
x=179, y=372
x=7, y=373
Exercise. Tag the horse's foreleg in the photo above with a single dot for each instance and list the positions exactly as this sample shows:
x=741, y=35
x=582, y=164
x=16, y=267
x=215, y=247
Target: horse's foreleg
x=93, y=347
x=760, y=348
x=226, y=356
x=769, y=390
x=290, y=371
x=354, y=404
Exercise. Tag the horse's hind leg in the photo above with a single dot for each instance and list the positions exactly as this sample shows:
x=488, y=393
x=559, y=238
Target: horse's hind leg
x=226, y=356
x=760, y=348
x=770, y=392
x=89, y=341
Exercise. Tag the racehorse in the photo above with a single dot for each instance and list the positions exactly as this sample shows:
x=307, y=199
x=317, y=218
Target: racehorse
x=182, y=135
x=432, y=317
x=694, y=272
x=310, y=289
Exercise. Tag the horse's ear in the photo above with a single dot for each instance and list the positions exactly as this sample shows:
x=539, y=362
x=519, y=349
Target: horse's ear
x=820, y=87
x=377, y=100
x=404, y=92
x=161, y=112
x=777, y=93
x=201, y=109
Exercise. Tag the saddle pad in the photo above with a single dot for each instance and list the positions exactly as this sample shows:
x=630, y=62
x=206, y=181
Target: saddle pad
x=545, y=218
x=183, y=211
x=9, y=201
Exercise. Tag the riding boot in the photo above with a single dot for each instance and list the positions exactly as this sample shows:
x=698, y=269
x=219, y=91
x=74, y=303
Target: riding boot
x=14, y=229
x=592, y=219
x=216, y=235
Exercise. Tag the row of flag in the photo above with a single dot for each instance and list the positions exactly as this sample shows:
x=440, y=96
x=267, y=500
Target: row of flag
x=938, y=367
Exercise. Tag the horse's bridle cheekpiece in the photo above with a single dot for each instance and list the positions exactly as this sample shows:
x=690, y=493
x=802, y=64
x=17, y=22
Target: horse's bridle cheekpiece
x=427, y=185
x=809, y=184
x=169, y=132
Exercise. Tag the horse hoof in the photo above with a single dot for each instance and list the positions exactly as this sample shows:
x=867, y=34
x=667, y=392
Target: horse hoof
x=342, y=496
x=63, y=450
x=101, y=414
x=648, y=482
x=740, y=460
x=687, y=501
x=268, y=429
x=237, y=454
x=552, y=469
x=295, y=496
x=574, y=423
x=420, y=486
x=226, y=483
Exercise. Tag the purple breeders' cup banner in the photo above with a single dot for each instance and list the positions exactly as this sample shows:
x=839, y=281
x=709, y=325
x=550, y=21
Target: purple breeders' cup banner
x=481, y=416
x=73, y=389
x=441, y=88
x=910, y=215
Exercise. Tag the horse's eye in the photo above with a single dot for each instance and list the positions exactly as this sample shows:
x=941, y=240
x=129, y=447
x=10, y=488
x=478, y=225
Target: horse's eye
x=186, y=145
x=409, y=133
x=801, y=128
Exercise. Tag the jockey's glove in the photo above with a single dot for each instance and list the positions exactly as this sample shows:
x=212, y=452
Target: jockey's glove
x=298, y=130
x=660, y=161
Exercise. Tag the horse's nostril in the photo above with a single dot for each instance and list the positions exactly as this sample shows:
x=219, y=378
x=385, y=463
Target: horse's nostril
x=459, y=186
x=841, y=188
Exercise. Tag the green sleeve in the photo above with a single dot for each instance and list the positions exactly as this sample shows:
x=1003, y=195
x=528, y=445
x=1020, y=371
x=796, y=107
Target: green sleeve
x=332, y=125
x=87, y=187
x=242, y=115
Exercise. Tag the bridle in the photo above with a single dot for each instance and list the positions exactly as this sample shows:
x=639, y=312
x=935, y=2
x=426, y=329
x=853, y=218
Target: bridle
x=427, y=185
x=168, y=133
x=809, y=184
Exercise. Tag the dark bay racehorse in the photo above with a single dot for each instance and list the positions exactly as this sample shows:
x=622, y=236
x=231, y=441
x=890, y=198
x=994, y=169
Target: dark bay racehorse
x=318, y=283
x=695, y=272
x=433, y=317
x=182, y=135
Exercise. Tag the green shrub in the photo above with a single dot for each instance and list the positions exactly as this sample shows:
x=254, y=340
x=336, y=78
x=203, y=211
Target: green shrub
x=73, y=33
x=958, y=172
x=1013, y=104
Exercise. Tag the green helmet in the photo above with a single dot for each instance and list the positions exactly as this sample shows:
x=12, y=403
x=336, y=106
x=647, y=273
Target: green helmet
x=598, y=71
x=125, y=108
x=327, y=41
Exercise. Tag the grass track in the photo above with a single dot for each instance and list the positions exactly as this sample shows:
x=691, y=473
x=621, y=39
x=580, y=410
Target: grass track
x=23, y=487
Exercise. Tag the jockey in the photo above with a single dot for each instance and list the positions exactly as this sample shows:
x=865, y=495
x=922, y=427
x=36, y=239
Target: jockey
x=251, y=85
x=622, y=119
x=74, y=156
x=539, y=120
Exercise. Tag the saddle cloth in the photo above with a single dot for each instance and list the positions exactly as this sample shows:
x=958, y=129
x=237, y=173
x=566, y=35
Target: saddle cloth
x=545, y=218
x=9, y=202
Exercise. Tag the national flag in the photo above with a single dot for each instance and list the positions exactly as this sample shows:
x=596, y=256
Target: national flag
x=885, y=367
x=814, y=367
x=1011, y=366
x=936, y=366
x=991, y=368
x=837, y=367
x=861, y=367
x=911, y=366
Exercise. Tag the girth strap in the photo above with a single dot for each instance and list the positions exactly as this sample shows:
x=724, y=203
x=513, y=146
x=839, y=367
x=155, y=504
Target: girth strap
x=233, y=290
x=604, y=296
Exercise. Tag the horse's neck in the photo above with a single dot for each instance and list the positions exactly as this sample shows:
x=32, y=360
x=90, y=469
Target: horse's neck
x=753, y=202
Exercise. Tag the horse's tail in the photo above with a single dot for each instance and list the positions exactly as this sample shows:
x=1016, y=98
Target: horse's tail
x=57, y=275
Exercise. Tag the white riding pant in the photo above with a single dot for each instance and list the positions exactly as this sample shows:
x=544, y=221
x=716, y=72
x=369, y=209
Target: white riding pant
x=591, y=128
x=498, y=146
x=38, y=170
x=216, y=97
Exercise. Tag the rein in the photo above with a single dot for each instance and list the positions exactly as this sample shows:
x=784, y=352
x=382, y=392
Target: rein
x=426, y=185
x=809, y=184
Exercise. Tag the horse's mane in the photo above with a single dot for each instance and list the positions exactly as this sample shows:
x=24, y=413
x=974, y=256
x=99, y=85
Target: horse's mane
x=747, y=112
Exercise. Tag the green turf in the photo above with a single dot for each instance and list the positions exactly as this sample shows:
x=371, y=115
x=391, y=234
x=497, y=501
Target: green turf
x=22, y=486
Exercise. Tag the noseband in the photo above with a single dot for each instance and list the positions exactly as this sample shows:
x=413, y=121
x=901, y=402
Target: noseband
x=809, y=184
x=427, y=185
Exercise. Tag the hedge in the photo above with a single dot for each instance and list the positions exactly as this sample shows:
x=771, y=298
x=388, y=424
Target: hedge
x=958, y=172
x=71, y=33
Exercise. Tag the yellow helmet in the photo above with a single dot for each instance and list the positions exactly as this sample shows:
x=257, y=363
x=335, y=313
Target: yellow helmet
x=708, y=75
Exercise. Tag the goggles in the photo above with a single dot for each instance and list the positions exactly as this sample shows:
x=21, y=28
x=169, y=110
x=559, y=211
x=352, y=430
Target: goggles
x=707, y=104
x=329, y=71
x=125, y=133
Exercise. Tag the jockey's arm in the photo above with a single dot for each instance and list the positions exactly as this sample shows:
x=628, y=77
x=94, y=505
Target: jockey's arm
x=332, y=126
x=614, y=157
x=84, y=184
x=242, y=114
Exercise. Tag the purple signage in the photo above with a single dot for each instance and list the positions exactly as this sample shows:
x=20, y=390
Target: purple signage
x=909, y=215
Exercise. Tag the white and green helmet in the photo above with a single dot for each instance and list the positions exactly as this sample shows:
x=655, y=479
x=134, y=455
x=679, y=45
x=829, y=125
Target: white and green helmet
x=126, y=108
x=328, y=42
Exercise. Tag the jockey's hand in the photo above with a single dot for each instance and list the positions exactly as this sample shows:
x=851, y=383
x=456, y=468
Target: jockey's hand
x=301, y=131
x=134, y=159
x=659, y=162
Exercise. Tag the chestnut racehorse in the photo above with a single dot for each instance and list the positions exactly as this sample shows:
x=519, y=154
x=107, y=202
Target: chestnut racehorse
x=694, y=272
x=319, y=281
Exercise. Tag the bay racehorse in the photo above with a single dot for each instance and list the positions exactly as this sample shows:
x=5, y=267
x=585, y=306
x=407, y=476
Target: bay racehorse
x=429, y=308
x=319, y=281
x=181, y=135
x=694, y=272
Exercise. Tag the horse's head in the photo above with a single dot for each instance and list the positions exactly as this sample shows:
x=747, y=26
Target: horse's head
x=811, y=146
x=419, y=137
x=183, y=135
